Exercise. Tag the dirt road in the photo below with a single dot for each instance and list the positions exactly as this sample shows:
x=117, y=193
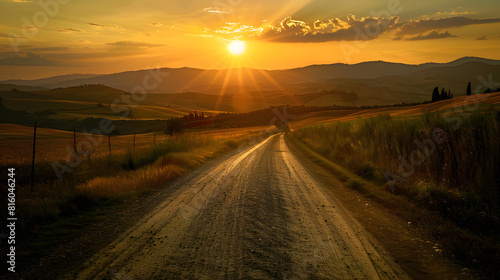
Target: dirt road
x=258, y=215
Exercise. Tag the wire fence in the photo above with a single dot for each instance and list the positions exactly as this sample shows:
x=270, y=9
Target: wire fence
x=32, y=157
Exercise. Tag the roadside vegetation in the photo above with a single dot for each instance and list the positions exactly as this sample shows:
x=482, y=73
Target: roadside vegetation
x=450, y=188
x=51, y=211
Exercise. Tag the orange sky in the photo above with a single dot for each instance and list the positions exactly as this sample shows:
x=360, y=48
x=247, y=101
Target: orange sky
x=64, y=36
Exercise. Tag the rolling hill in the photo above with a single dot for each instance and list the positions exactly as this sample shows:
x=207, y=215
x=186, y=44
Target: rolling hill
x=310, y=79
x=185, y=90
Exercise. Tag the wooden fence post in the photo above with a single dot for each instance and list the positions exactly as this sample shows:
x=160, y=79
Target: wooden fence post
x=33, y=162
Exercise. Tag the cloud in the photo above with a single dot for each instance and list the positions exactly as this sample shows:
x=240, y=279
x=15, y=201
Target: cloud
x=28, y=27
x=134, y=44
x=17, y=1
x=294, y=31
x=30, y=59
x=156, y=24
x=453, y=13
x=69, y=30
x=9, y=35
x=216, y=11
x=31, y=49
x=236, y=30
x=109, y=26
x=482, y=38
x=431, y=36
x=413, y=27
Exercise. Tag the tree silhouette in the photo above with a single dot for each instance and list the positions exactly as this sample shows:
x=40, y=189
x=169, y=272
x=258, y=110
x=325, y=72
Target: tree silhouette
x=469, y=89
x=435, y=94
x=175, y=126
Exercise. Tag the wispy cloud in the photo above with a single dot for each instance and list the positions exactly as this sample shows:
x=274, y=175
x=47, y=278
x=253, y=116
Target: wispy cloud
x=69, y=30
x=453, y=13
x=413, y=27
x=9, y=35
x=31, y=49
x=17, y=1
x=216, y=11
x=108, y=26
x=134, y=44
x=237, y=30
x=431, y=36
x=28, y=27
x=482, y=38
x=30, y=59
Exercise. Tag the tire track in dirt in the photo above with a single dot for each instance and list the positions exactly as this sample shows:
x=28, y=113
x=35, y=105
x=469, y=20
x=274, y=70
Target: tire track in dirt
x=258, y=215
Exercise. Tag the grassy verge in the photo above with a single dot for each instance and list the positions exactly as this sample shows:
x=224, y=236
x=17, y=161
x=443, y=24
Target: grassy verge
x=459, y=211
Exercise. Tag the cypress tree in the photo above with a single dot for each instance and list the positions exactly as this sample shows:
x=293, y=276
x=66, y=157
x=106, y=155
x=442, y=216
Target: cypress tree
x=469, y=89
x=435, y=94
x=443, y=95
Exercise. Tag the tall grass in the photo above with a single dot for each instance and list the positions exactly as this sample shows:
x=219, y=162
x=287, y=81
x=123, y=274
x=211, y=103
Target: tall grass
x=118, y=178
x=459, y=180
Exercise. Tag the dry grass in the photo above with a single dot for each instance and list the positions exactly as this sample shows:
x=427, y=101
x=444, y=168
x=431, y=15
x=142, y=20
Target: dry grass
x=16, y=143
x=457, y=103
x=457, y=182
x=133, y=181
x=125, y=175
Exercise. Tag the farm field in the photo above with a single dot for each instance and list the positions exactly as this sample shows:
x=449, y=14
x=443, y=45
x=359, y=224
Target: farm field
x=16, y=142
x=250, y=140
x=452, y=107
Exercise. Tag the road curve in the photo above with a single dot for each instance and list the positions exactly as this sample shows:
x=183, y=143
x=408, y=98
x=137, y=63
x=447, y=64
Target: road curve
x=258, y=215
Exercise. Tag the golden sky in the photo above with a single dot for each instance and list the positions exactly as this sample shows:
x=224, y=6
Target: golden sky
x=56, y=37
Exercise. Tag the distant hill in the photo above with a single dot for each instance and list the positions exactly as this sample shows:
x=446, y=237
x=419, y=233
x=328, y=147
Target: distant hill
x=49, y=82
x=6, y=87
x=374, y=83
x=211, y=81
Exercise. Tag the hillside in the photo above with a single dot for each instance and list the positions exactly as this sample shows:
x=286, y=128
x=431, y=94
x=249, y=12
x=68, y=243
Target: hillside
x=376, y=83
x=7, y=87
x=453, y=107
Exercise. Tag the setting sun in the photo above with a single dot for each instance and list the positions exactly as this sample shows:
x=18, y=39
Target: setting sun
x=236, y=47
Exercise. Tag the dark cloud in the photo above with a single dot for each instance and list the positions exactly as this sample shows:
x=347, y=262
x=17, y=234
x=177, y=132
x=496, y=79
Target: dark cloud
x=134, y=44
x=413, y=27
x=95, y=25
x=431, y=36
x=31, y=49
x=482, y=38
x=364, y=29
x=30, y=59
x=48, y=49
x=292, y=31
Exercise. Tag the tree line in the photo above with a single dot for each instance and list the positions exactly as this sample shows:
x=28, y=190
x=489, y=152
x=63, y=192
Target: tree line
x=444, y=95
